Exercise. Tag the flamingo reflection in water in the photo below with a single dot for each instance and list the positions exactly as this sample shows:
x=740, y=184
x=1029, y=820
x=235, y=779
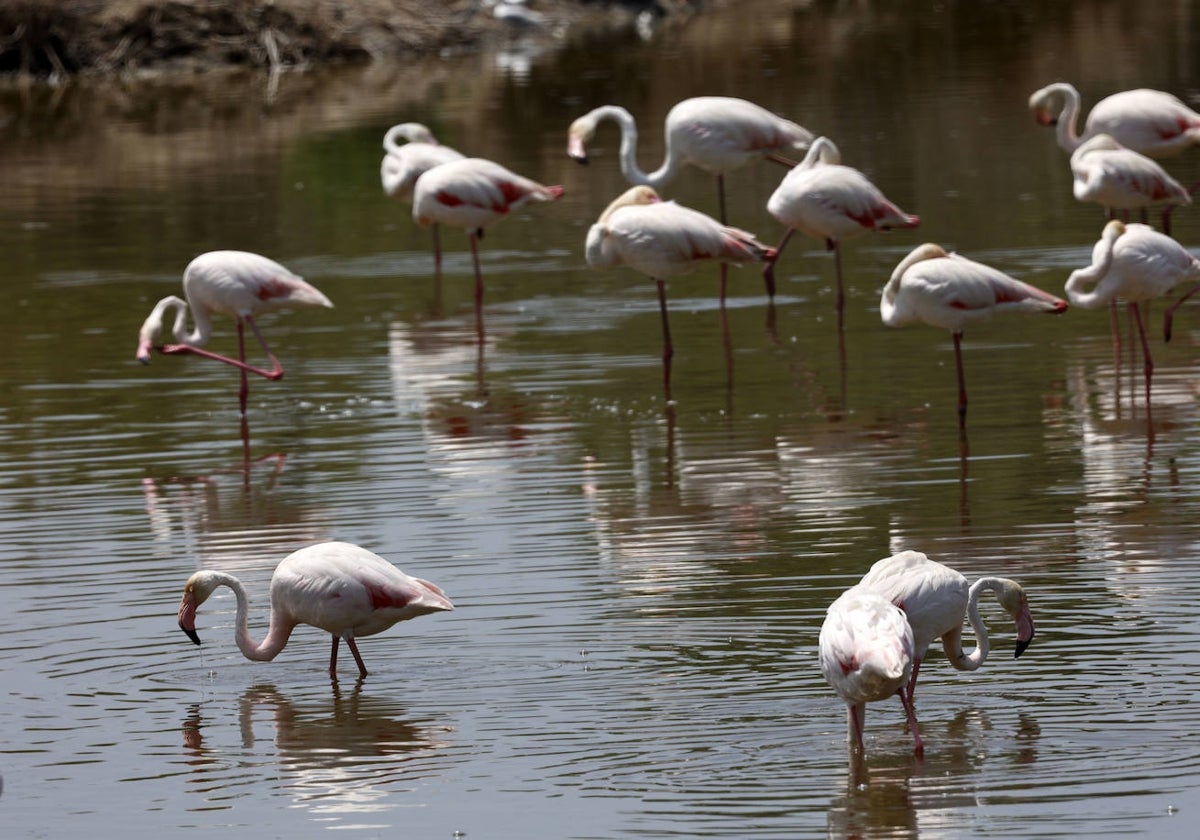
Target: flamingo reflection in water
x=235, y=283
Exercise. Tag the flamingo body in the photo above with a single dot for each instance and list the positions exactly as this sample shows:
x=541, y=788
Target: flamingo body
x=866, y=654
x=936, y=600
x=404, y=163
x=1115, y=177
x=1152, y=122
x=337, y=587
x=473, y=193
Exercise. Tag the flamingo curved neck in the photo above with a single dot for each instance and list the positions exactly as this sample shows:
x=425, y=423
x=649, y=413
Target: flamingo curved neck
x=277, y=633
x=198, y=336
x=1065, y=129
x=960, y=659
x=822, y=151
x=1094, y=273
x=629, y=140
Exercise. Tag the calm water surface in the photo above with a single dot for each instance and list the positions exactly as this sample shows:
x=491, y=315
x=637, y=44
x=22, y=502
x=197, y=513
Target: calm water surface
x=639, y=590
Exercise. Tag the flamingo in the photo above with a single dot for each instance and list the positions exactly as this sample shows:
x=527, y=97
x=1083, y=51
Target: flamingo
x=825, y=200
x=661, y=238
x=404, y=163
x=1152, y=122
x=473, y=193
x=866, y=652
x=1136, y=263
x=935, y=599
x=717, y=134
x=949, y=291
x=1117, y=178
x=237, y=283
x=339, y=587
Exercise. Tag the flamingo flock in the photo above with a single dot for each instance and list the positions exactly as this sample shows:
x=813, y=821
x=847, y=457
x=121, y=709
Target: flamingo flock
x=876, y=635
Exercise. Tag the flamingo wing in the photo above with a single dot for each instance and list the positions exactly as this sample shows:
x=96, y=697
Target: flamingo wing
x=932, y=595
x=1152, y=122
x=473, y=193
x=720, y=133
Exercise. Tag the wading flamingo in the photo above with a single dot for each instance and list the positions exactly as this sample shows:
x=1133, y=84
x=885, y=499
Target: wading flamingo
x=337, y=587
x=825, y=200
x=239, y=284
x=936, y=599
x=866, y=651
x=717, y=134
x=404, y=163
x=1134, y=263
x=1152, y=122
x=1117, y=178
x=473, y=193
x=661, y=239
x=946, y=290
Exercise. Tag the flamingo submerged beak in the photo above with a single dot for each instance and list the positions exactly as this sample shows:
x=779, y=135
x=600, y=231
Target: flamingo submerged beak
x=187, y=615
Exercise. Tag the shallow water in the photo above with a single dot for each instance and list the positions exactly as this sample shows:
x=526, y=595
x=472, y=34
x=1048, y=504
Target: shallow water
x=638, y=589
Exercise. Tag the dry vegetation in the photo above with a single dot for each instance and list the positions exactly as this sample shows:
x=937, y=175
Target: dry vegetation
x=49, y=38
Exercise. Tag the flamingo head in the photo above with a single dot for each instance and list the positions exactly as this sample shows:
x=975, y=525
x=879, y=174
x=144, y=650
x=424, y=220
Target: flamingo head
x=1046, y=105
x=578, y=136
x=195, y=592
x=1012, y=599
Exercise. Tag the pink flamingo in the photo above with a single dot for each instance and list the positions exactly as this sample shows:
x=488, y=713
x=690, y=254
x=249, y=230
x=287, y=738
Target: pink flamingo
x=239, y=284
x=1135, y=263
x=337, y=587
x=717, y=134
x=866, y=652
x=473, y=193
x=661, y=239
x=1117, y=178
x=825, y=200
x=935, y=599
x=404, y=163
x=1152, y=122
x=946, y=290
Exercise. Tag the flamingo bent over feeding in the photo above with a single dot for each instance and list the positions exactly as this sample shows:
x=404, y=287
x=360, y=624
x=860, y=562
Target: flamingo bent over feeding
x=473, y=193
x=717, y=134
x=661, y=239
x=1117, y=178
x=337, y=587
x=935, y=599
x=866, y=653
x=1135, y=263
x=946, y=290
x=404, y=163
x=239, y=284
x=1152, y=122
x=826, y=200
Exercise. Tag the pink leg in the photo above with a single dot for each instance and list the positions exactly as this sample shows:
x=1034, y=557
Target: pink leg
x=333, y=658
x=832, y=244
x=362, y=669
x=1169, y=315
x=919, y=747
x=769, y=268
x=1147, y=361
x=855, y=713
x=721, y=207
x=244, y=389
x=912, y=681
x=962, y=384
x=668, y=348
x=474, y=237
x=437, y=253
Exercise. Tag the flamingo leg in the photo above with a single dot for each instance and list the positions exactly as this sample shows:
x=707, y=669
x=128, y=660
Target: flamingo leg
x=244, y=388
x=276, y=371
x=910, y=713
x=437, y=253
x=1147, y=360
x=668, y=348
x=1169, y=315
x=721, y=206
x=474, y=237
x=362, y=669
x=333, y=658
x=855, y=714
x=962, y=384
x=769, y=268
x=912, y=681
x=833, y=245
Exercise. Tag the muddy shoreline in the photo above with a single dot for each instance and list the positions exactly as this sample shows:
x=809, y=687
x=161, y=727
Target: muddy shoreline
x=52, y=39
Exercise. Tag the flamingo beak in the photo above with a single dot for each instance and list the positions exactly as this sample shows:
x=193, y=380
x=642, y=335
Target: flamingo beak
x=143, y=350
x=576, y=150
x=187, y=616
x=1024, y=630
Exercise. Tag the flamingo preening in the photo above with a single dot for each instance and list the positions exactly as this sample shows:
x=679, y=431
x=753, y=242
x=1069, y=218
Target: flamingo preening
x=337, y=587
x=1117, y=178
x=236, y=283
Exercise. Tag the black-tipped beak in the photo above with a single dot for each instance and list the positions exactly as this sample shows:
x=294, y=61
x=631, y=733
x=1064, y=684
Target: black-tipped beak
x=191, y=634
x=1021, y=645
x=580, y=159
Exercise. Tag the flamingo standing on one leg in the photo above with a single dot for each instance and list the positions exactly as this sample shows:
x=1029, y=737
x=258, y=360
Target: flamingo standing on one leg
x=946, y=290
x=866, y=651
x=935, y=599
x=1117, y=178
x=717, y=134
x=404, y=163
x=473, y=193
x=1135, y=263
x=237, y=283
x=1152, y=122
x=825, y=200
x=338, y=587
x=662, y=238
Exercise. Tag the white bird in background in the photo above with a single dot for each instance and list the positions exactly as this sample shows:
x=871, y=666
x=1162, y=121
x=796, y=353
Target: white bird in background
x=236, y=283
x=337, y=587
x=1117, y=178
x=404, y=163
x=1134, y=263
x=866, y=652
x=935, y=599
x=1152, y=122
x=823, y=199
x=473, y=193
x=946, y=290
x=661, y=239
x=714, y=133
